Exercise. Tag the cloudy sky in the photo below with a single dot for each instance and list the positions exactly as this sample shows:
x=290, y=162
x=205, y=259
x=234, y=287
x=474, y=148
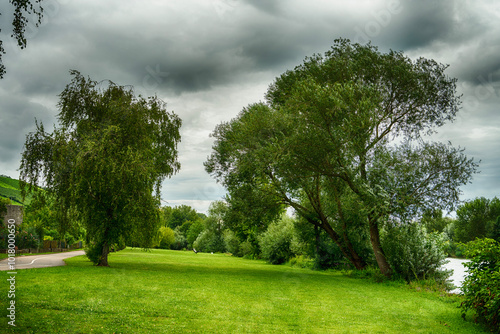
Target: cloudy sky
x=209, y=58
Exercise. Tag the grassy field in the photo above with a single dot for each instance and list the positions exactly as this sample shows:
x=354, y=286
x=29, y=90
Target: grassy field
x=182, y=292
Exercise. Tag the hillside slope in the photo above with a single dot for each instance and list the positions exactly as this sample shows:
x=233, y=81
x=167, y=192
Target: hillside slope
x=9, y=188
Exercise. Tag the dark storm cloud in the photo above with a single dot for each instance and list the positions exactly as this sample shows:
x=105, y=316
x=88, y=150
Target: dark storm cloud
x=17, y=118
x=481, y=64
x=270, y=7
x=189, y=53
x=422, y=22
x=209, y=58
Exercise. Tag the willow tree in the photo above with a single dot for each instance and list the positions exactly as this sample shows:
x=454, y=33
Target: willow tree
x=105, y=163
x=353, y=123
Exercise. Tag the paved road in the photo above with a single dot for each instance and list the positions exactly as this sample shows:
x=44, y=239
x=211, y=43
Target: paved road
x=39, y=261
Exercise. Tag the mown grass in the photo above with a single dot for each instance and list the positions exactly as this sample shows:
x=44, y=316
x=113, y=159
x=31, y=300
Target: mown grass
x=182, y=292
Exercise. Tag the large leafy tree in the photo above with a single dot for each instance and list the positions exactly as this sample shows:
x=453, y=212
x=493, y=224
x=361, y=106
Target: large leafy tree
x=477, y=219
x=105, y=163
x=347, y=129
x=22, y=10
x=250, y=160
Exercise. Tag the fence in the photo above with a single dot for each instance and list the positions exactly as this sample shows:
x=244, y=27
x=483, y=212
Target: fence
x=49, y=246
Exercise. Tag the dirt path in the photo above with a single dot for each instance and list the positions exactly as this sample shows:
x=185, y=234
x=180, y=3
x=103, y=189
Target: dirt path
x=38, y=261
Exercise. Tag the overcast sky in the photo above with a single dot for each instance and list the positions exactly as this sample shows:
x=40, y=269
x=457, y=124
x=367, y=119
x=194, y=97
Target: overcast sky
x=209, y=58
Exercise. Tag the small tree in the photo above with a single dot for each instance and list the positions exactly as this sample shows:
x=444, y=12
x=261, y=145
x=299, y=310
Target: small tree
x=166, y=237
x=180, y=241
x=105, y=163
x=413, y=253
x=276, y=242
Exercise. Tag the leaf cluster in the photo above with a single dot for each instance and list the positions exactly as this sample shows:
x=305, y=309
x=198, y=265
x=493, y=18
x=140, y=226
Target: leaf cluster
x=481, y=287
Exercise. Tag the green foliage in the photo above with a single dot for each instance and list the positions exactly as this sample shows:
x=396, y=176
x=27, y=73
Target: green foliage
x=413, y=253
x=194, y=231
x=302, y=261
x=369, y=272
x=104, y=165
x=434, y=221
x=231, y=243
x=250, y=211
x=276, y=242
x=179, y=215
x=42, y=215
x=166, y=237
x=324, y=143
x=249, y=249
x=26, y=237
x=3, y=207
x=180, y=241
x=11, y=189
x=476, y=219
x=481, y=287
x=211, y=238
x=93, y=250
x=495, y=230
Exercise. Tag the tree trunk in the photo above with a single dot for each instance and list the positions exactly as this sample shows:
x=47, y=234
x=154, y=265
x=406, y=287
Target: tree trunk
x=103, y=260
x=350, y=253
x=383, y=265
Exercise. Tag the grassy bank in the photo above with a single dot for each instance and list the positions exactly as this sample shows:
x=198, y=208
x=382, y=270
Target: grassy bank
x=182, y=292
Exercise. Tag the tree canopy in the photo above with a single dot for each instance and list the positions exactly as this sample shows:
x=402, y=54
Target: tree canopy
x=341, y=140
x=105, y=163
x=478, y=218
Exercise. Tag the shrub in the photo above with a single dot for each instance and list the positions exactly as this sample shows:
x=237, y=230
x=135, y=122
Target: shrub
x=166, y=237
x=27, y=238
x=209, y=241
x=194, y=231
x=328, y=255
x=180, y=241
x=301, y=261
x=231, y=243
x=369, y=272
x=202, y=241
x=481, y=287
x=249, y=250
x=93, y=251
x=413, y=253
x=275, y=243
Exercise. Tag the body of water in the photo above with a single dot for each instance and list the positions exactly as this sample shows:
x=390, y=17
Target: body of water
x=458, y=272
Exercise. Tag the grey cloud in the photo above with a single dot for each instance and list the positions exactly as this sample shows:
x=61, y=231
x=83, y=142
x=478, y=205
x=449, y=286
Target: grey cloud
x=208, y=59
x=17, y=118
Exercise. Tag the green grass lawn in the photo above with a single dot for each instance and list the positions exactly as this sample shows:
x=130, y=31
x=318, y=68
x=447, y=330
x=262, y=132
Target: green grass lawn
x=182, y=292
